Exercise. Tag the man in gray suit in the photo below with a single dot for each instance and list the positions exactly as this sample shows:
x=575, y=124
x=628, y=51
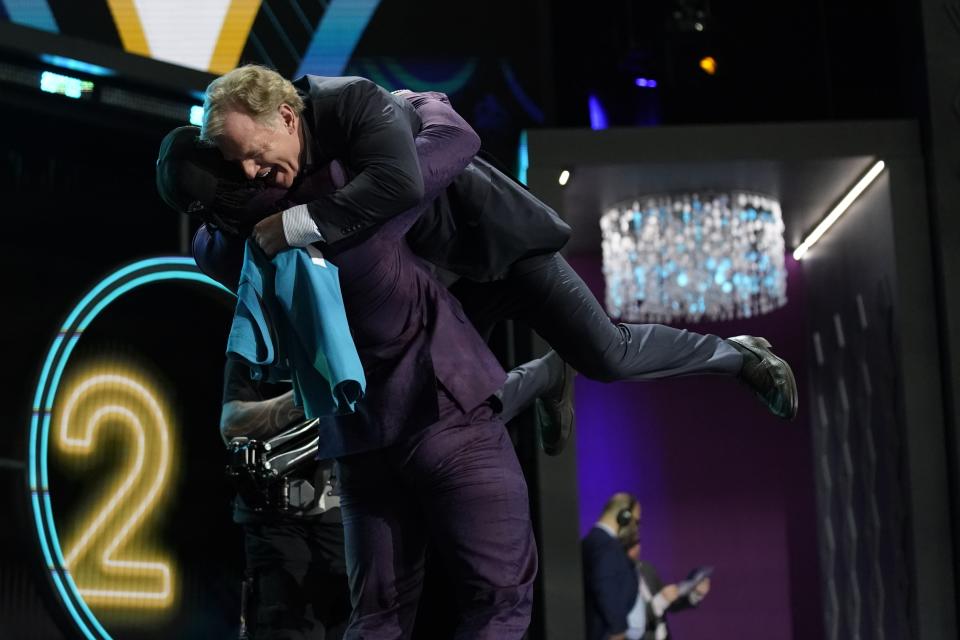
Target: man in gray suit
x=484, y=228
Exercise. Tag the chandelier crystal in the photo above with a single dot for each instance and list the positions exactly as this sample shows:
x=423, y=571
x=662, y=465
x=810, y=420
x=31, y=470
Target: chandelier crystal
x=692, y=256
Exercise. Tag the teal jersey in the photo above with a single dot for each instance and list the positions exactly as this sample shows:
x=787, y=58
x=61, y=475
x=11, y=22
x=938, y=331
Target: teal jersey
x=290, y=324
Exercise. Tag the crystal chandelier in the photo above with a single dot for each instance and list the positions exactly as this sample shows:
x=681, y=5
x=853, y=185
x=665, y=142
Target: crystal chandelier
x=692, y=256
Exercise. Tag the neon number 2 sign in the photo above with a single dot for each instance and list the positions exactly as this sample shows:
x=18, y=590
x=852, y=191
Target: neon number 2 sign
x=150, y=578
x=98, y=556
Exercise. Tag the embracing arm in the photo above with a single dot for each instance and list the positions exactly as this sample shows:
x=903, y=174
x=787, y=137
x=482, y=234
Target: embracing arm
x=382, y=157
x=445, y=145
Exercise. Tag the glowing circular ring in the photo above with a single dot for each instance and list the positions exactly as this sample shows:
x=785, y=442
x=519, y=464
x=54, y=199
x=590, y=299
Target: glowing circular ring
x=90, y=306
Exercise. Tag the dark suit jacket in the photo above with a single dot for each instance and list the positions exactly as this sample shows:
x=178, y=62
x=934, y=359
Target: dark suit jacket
x=481, y=225
x=610, y=584
x=371, y=132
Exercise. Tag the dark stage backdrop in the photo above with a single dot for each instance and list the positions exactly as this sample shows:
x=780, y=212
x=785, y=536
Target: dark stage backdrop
x=721, y=482
x=493, y=60
x=858, y=419
x=136, y=482
x=80, y=202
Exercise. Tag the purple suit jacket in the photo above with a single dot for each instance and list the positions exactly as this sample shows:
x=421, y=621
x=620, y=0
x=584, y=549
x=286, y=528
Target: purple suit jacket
x=410, y=332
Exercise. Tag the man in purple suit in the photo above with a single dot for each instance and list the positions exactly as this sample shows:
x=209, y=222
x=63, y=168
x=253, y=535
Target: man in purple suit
x=425, y=456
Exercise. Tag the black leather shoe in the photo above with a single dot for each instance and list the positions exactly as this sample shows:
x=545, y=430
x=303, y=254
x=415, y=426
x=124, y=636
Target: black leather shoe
x=770, y=377
x=555, y=410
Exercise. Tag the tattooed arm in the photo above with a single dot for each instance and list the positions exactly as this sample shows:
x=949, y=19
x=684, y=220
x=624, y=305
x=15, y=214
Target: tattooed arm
x=261, y=419
x=253, y=408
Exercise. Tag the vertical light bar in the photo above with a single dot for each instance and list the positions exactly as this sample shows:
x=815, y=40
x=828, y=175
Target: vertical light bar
x=523, y=158
x=337, y=36
x=838, y=210
x=598, y=117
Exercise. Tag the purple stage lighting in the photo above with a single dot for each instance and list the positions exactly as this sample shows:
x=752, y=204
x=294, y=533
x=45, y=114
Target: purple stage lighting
x=598, y=117
x=646, y=83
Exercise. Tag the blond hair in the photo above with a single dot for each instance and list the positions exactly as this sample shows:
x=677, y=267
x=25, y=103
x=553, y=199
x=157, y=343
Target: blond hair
x=251, y=89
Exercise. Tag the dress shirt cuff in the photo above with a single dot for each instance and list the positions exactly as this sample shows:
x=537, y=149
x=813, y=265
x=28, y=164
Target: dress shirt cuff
x=299, y=228
x=659, y=604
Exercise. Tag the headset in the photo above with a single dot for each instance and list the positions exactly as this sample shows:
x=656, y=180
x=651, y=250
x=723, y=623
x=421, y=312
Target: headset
x=625, y=515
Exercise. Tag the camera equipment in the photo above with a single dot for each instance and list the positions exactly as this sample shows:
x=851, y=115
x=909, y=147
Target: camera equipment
x=261, y=471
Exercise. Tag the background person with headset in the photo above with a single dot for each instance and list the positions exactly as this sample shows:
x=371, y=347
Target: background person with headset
x=610, y=577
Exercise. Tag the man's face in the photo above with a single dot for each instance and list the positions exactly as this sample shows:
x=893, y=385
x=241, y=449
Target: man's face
x=269, y=153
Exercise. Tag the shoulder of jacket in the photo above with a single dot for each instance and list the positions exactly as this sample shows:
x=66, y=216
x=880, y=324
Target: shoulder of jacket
x=321, y=86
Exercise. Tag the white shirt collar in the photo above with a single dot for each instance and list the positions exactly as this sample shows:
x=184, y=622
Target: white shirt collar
x=605, y=527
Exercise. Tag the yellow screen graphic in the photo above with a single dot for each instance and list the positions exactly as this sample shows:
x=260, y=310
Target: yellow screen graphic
x=115, y=418
x=208, y=36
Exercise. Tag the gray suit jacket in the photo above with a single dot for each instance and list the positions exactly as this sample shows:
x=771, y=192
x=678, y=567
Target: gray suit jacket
x=477, y=228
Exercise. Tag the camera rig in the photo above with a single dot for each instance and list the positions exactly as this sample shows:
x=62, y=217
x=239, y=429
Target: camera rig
x=265, y=472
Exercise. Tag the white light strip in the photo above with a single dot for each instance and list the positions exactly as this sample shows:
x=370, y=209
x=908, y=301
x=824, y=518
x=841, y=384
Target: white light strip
x=564, y=177
x=838, y=210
